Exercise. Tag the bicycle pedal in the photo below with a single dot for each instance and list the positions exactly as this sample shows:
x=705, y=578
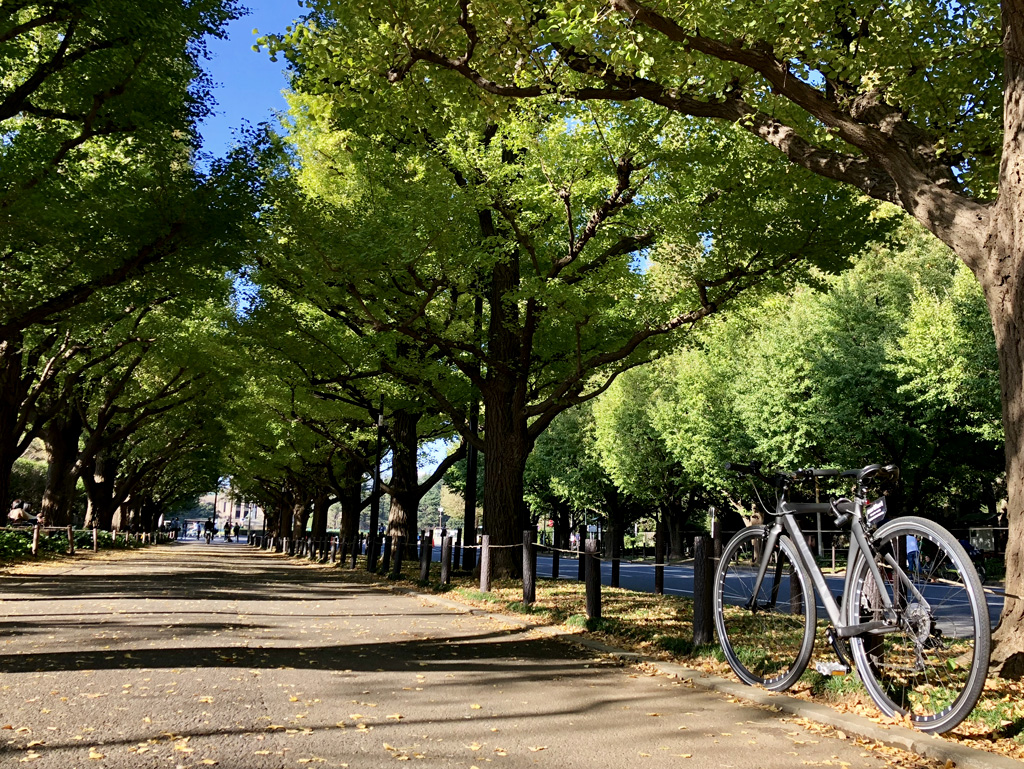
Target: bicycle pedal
x=831, y=668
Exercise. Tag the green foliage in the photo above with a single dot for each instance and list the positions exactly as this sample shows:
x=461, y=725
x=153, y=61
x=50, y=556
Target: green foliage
x=564, y=467
x=28, y=481
x=789, y=62
x=891, y=362
x=97, y=109
x=15, y=544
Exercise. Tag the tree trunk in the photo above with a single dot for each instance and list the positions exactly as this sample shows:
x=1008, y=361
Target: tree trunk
x=300, y=517
x=321, y=504
x=506, y=446
x=614, y=538
x=561, y=514
x=350, y=495
x=674, y=518
x=404, y=485
x=12, y=393
x=149, y=514
x=99, y=479
x=998, y=269
x=61, y=437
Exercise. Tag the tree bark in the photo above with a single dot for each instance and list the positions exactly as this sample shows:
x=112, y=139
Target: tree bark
x=321, y=504
x=506, y=445
x=12, y=393
x=99, y=477
x=998, y=268
x=300, y=517
x=61, y=437
x=403, y=487
x=349, y=491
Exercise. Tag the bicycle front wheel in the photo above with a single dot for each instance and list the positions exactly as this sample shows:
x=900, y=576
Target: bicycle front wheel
x=767, y=638
x=932, y=661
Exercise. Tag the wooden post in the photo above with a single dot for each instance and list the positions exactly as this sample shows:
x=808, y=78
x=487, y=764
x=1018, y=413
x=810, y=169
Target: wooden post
x=485, y=563
x=659, y=558
x=35, y=538
x=554, y=562
x=529, y=568
x=593, y=579
x=457, y=552
x=371, y=551
x=71, y=541
x=396, y=550
x=385, y=559
x=426, y=555
x=446, y=560
x=582, y=558
x=95, y=539
x=703, y=577
x=616, y=556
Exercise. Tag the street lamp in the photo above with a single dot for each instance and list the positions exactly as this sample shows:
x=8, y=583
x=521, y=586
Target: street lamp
x=440, y=517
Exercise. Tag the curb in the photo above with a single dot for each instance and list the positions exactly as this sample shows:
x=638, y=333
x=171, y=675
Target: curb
x=900, y=737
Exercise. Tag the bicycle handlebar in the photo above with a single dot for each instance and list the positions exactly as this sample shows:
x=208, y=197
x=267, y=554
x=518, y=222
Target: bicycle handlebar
x=754, y=468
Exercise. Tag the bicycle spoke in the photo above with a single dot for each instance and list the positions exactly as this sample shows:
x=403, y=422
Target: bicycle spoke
x=932, y=663
x=767, y=638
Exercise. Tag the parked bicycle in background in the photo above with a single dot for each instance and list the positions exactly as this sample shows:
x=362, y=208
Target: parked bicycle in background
x=911, y=617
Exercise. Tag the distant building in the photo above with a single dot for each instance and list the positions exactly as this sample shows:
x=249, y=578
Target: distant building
x=231, y=510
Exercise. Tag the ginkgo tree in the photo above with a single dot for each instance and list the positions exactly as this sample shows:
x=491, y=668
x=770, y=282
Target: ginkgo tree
x=916, y=104
x=412, y=208
x=99, y=102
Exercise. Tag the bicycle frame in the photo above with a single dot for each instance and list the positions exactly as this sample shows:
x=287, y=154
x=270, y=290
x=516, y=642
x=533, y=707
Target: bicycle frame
x=785, y=521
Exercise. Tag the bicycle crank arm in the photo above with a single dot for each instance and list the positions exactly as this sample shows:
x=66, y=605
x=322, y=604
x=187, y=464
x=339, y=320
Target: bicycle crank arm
x=833, y=639
x=878, y=627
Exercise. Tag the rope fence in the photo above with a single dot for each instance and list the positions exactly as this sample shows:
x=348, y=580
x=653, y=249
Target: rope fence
x=74, y=541
x=385, y=555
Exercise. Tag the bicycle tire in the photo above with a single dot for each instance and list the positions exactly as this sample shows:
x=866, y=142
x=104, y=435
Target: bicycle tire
x=767, y=643
x=933, y=666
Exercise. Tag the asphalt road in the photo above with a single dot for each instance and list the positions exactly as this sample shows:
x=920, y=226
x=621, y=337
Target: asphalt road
x=192, y=655
x=679, y=581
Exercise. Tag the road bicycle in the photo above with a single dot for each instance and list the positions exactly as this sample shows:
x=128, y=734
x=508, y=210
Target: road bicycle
x=916, y=629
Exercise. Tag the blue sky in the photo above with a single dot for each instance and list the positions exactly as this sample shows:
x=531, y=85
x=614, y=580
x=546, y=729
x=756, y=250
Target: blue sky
x=248, y=85
x=248, y=88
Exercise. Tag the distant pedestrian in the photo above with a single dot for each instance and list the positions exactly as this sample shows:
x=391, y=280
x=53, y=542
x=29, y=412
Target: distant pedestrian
x=912, y=554
x=20, y=513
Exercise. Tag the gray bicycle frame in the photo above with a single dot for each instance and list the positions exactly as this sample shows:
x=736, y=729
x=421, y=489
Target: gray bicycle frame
x=785, y=521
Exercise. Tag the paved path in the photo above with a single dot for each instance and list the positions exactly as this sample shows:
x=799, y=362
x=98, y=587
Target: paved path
x=193, y=655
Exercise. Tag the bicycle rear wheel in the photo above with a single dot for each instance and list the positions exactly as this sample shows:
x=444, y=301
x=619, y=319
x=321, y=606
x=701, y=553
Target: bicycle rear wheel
x=933, y=663
x=767, y=639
